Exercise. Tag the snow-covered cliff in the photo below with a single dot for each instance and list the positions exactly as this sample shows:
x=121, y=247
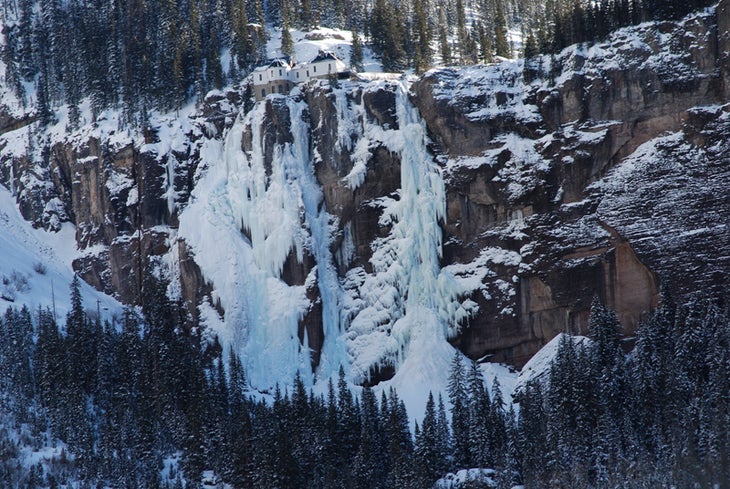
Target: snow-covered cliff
x=379, y=225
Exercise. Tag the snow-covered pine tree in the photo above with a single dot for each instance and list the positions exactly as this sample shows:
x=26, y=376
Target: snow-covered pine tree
x=427, y=457
x=460, y=425
x=480, y=451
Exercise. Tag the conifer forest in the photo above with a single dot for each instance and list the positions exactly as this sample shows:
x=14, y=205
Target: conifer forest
x=157, y=54
x=153, y=406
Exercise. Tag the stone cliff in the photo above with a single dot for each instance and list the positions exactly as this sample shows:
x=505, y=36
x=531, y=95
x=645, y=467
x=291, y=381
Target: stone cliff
x=552, y=172
x=606, y=176
x=122, y=189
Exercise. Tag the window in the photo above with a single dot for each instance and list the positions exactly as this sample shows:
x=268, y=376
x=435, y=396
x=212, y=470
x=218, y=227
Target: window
x=261, y=77
x=314, y=68
x=279, y=72
x=307, y=72
x=263, y=92
x=281, y=89
x=329, y=66
x=297, y=74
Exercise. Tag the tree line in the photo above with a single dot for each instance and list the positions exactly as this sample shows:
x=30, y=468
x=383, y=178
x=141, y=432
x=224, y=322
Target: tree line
x=656, y=417
x=153, y=404
x=124, y=400
x=567, y=22
x=136, y=55
x=139, y=55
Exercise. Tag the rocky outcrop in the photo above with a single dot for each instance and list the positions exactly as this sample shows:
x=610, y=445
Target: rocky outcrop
x=336, y=122
x=123, y=192
x=10, y=122
x=536, y=177
x=114, y=196
x=358, y=220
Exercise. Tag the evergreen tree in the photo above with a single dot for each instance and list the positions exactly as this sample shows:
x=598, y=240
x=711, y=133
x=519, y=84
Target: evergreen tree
x=485, y=43
x=356, y=55
x=531, y=68
x=501, y=46
x=607, y=366
x=287, y=44
x=444, y=446
x=81, y=340
x=387, y=36
x=348, y=428
x=480, y=451
x=428, y=460
x=400, y=444
x=43, y=108
x=306, y=17
x=368, y=463
x=214, y=69
x=422, y=57
x=445, y=48
x=568, y=405
x=532, y=435
x=459, y=413
x=498, y=425
x=462, y=34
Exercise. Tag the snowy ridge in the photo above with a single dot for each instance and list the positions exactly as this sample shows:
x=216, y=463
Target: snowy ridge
x=487, y=92
x=644, y=46
x=537, y=369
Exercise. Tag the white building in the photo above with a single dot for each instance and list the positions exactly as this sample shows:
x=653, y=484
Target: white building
x=280, y=76
x=272, y=78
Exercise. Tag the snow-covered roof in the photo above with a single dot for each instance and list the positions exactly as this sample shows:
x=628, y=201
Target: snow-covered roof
x=324, y=56
x=273, y=63
x=279, y=63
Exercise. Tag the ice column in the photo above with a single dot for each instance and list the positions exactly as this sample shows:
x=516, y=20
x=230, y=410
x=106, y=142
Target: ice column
x=280, y=213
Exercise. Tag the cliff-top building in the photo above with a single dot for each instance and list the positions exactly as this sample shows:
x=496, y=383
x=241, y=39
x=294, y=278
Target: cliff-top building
x=280, y=75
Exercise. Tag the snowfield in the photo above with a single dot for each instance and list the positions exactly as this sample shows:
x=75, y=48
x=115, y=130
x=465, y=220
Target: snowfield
x=35, y=267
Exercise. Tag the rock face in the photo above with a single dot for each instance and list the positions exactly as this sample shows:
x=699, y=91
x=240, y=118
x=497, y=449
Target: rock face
x=358, y=220
x=122, y=191
x=608, y=180
x=337, y=122
x=542, y=170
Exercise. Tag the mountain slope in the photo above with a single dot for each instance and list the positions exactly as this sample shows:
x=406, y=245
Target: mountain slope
x=36, y=267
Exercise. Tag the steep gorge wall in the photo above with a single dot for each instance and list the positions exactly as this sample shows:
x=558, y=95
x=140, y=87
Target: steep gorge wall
x=545, y=190
x=530, y=184
x=123, y=192
x=610, y=99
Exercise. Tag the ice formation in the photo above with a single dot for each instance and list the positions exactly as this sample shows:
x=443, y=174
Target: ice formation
x=408, y=300
x=400, y=315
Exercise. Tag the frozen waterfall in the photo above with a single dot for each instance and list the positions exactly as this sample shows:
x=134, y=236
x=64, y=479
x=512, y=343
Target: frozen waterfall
x=245, y=219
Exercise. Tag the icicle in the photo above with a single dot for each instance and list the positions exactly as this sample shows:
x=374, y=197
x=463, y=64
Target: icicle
x=405, y=306
x=170, y=183
x=12, y=178
x=317, y=219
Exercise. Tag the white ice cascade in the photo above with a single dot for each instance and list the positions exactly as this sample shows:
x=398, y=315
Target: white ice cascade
x=280, y=212
x=247, y=215
x=404, y=311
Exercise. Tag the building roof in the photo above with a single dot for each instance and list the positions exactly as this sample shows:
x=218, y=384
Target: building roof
x=279, y=63
x=273, y=63
x=324, y=56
